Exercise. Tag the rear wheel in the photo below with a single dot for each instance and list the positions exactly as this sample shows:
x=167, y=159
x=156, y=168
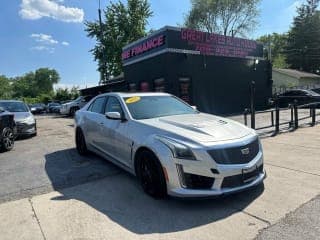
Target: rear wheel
x=7, y=137
x=151, y=176
x=81, y=142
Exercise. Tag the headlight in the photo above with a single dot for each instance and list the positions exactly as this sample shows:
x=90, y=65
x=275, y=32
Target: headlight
x=178, y=150
x=29, y=120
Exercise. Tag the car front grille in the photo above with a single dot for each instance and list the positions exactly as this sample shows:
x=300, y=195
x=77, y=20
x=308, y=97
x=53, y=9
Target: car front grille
x=23, y=127
x=241, y=179
x=236, y=155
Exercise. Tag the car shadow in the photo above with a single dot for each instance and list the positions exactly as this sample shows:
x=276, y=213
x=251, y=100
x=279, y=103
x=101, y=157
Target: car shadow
x=119, y=196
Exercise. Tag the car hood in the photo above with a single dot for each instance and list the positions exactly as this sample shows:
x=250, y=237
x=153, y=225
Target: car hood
x=20, y=116
x=200, y=127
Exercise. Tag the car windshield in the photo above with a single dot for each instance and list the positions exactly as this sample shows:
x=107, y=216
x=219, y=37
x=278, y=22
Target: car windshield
x=144, y=107
x=313, y=93
x=78, y=99
x=53, y=104
x=14, y=106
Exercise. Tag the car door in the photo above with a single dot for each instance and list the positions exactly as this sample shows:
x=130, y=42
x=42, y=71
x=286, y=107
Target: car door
x=116, y=140
x=94, y=120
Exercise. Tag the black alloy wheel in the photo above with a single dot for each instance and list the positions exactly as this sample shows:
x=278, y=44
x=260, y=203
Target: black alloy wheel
x=151, y=175
x=81, y=143
x=7, y=139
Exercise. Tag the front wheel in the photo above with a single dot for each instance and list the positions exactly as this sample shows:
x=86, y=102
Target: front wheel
x=151, y=176
x=81, y=143
x=7, y=142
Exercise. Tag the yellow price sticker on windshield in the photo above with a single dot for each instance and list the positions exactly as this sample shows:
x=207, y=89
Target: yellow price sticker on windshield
x=133, y=100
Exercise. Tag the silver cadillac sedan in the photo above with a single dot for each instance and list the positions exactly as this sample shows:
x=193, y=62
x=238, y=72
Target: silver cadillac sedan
x=171, y=147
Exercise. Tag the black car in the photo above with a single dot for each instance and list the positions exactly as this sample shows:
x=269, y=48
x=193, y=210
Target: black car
x=37, y=108
x=53, y=107
x=317, y=90
x=301, y=96
x=7, y=130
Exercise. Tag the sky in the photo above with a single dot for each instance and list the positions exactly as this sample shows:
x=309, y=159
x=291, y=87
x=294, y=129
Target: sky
x=50, y=33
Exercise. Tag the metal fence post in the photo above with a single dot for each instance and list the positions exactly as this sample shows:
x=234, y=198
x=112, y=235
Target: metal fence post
x=277, y=128
x=252, y=105
x=291, y=124
x=296, y=117
x=313, y=109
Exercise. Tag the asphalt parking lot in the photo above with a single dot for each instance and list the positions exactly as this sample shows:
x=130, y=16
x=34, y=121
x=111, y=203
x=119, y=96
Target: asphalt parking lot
x=47, y=191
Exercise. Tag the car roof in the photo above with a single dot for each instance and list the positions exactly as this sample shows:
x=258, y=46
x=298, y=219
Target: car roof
x=139, y=94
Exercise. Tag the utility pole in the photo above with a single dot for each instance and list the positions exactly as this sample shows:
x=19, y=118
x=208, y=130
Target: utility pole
x=270, y=51
x=103, y=74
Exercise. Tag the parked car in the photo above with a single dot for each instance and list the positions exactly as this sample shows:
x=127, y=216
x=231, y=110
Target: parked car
x=37, y=108
x=70, y=108
x=302, y=97
x=317, y=90
x=7, y=130
x=25, y=121
x=52, y=107
x=171, y=147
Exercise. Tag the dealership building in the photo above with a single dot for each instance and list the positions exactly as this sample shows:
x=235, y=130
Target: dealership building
x=207, y=70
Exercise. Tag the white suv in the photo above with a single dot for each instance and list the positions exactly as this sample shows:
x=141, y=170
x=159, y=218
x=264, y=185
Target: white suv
x=71, y=107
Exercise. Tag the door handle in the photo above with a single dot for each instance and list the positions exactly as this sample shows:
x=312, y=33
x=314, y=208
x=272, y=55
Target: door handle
x=101, y=123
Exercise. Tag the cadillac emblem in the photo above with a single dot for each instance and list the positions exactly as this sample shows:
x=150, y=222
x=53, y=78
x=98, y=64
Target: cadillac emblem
x=245, y=151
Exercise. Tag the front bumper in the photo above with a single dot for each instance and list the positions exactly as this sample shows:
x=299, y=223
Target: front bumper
x=26, y=129
x=193, y=193
x=211, y=179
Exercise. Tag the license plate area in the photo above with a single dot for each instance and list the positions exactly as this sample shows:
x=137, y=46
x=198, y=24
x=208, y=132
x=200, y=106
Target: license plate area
x=250, y=174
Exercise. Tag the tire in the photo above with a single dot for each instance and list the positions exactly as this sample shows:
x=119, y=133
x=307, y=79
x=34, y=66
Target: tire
x=81, y=143
x=151, y=176
x=7, y=142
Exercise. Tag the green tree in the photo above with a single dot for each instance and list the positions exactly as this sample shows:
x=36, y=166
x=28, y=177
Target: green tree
x=24, y=86
x=64, y=94
x=121, y=24
x=5, y=87
x=227, y=17
x=33, y=84
x=74, y=92
x=303, y=49
x=278, y=44
x=44, y=78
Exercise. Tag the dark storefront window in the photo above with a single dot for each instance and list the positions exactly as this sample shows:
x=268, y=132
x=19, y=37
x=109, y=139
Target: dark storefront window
x=132, y=87
x=185, y=89
x=144, y=87
x=159, y=85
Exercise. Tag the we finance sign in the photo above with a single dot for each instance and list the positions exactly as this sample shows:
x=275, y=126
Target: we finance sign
x=144, y=47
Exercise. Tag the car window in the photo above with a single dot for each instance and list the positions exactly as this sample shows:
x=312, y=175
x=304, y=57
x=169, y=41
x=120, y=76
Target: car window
x=291, y=93
x=14, y=106
x=300, y=93
x=87, y=98
x=145, y=107
x=97, y=105
x=113, y=105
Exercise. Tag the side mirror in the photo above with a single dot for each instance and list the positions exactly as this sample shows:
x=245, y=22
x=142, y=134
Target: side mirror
x=194, y=107
x=1, y=109
x=83, y=100
x=113, y=115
